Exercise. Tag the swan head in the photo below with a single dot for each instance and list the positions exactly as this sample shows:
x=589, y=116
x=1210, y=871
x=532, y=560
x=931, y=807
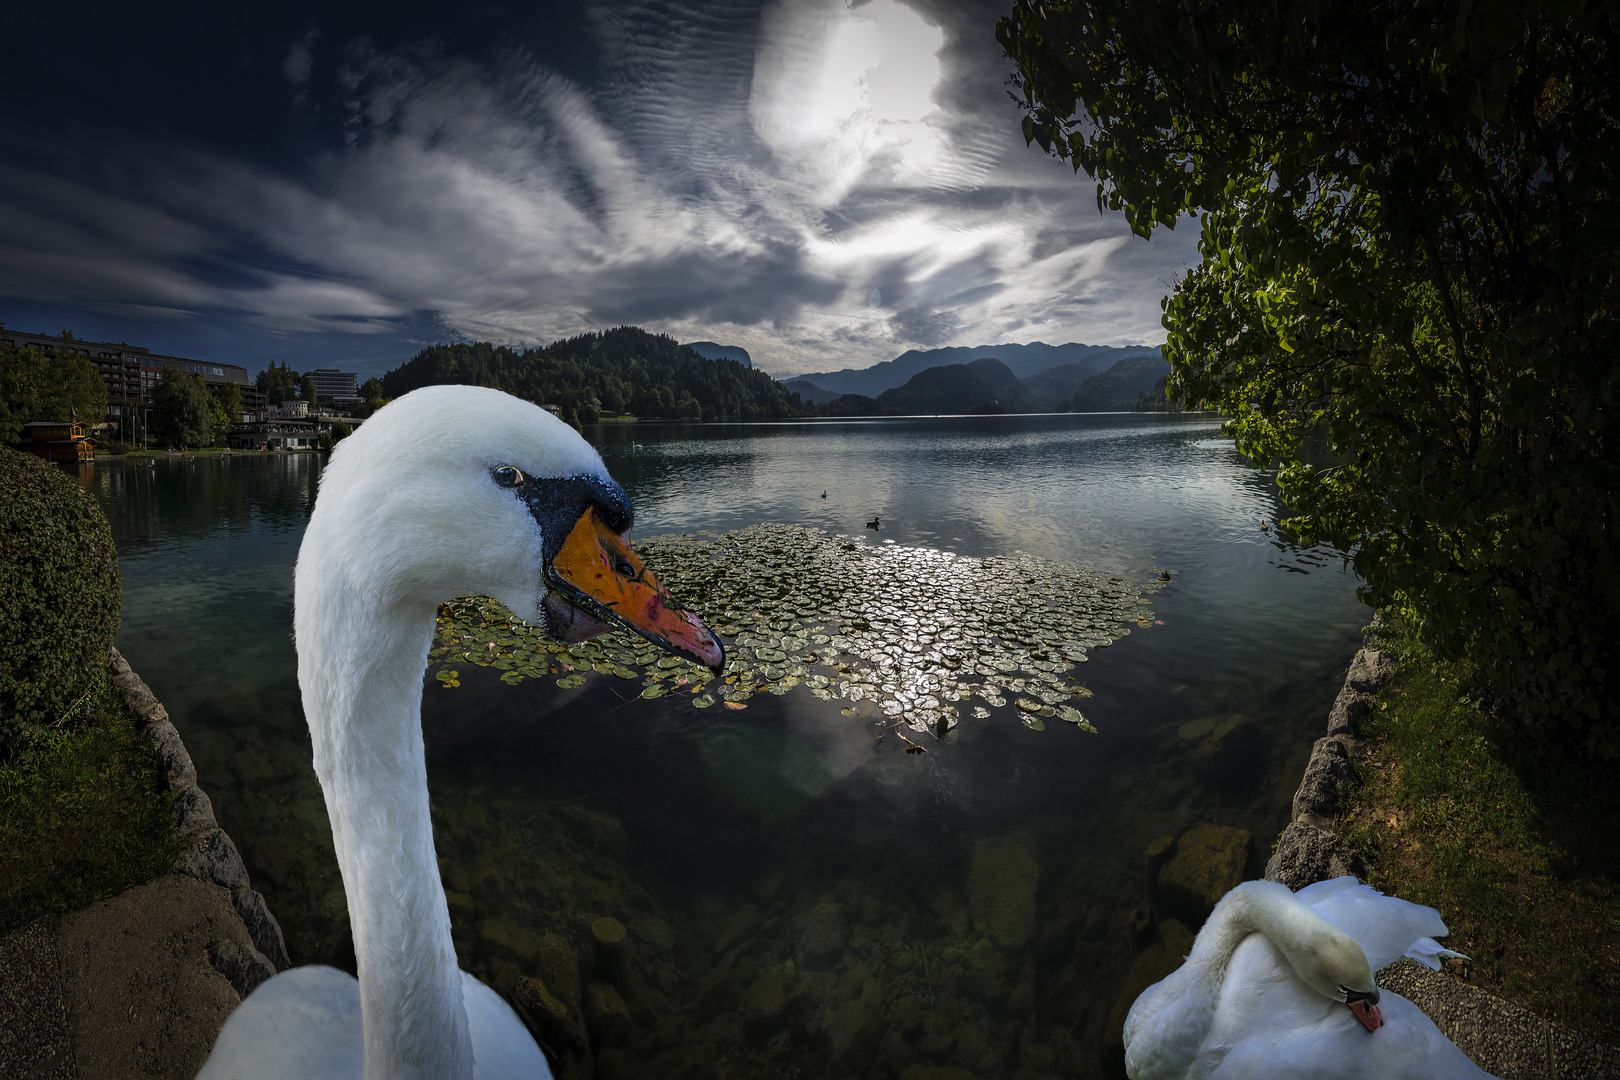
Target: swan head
x=1333, y=964
x=1338, y=968
x=465, y=490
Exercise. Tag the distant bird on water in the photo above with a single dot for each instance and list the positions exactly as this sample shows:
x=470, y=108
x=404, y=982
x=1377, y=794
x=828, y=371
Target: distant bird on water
x=824, y=493
x=873, y=524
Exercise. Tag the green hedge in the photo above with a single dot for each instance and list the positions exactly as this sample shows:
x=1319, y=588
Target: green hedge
x=59, y=594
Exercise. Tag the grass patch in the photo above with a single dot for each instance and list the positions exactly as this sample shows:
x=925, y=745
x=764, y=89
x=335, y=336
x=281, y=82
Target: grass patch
x=1514, y=840
x=84, y=813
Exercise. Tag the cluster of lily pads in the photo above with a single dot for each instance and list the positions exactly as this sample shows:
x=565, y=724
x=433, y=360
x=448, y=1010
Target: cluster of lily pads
x=908, y=635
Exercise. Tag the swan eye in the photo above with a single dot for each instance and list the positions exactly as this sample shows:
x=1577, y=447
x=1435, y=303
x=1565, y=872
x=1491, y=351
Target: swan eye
x=508, y=476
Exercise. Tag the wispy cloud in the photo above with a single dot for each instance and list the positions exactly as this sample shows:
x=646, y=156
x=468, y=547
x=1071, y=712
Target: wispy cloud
x=750, y=176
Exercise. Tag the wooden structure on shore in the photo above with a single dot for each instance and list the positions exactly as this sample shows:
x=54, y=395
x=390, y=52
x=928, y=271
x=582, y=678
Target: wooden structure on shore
x=58, y=440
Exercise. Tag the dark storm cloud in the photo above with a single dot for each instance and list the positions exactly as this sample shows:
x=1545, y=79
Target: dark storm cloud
x=743, y=174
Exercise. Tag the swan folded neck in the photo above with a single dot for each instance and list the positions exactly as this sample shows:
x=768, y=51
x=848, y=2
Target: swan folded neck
x=360, y=668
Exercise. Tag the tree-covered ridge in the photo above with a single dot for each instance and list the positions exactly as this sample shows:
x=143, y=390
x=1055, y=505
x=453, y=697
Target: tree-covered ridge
x=627, y=369
x=956, y=388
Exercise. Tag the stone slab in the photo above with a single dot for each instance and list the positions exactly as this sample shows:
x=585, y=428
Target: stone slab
x=145, y=1001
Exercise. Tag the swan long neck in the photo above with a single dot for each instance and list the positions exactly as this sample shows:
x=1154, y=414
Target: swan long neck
x=361, y=658
x=1171, y=1019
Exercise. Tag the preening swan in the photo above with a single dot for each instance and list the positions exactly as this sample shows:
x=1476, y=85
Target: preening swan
x=450, y=490
x=1264, y=992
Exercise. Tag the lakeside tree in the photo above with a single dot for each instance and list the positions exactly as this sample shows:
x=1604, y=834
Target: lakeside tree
x=1408, y=231
x=184, y=413
x=278, y=383
x=52, y=384
x=307, y=391
x=229, y=396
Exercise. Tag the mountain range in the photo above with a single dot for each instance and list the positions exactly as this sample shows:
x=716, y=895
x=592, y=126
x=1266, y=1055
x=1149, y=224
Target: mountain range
x=1033, y=360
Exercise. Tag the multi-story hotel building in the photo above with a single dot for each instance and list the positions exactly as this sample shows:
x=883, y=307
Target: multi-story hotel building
x=130, y=372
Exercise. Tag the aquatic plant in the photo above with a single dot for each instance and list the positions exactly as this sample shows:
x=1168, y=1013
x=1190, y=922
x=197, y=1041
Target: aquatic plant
x=906, y=635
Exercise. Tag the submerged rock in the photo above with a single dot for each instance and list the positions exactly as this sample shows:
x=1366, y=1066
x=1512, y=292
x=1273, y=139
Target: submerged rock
x=607, y=1016
x=1223, y=749
x=1163, y=953
x=1210, y=860
x=826, y=932
x=548, y=1019
x=1002, y=879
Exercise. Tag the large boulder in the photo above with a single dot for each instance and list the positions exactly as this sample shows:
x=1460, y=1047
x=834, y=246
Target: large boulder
x=1001, y=890
x=1210, y=860
x=59, y=594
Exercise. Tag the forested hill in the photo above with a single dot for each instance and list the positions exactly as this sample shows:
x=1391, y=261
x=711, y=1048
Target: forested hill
x=627, y=369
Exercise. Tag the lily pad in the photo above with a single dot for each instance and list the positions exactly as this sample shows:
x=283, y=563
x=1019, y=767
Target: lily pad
x=907, y=629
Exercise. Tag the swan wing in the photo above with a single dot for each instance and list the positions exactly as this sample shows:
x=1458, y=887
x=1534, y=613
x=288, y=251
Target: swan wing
x=303, y=1024
x=503, y=1049
x=1269, y=1023
x=1385, y=927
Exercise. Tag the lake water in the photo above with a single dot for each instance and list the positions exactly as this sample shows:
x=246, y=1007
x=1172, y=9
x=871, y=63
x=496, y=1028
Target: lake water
x=801, y=897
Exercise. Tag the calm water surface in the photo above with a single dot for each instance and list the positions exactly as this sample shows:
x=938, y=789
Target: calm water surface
x=801, y=897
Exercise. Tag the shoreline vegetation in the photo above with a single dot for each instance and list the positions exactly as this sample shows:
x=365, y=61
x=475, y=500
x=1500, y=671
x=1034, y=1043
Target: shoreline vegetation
x=1511, y=837
x=84, y=812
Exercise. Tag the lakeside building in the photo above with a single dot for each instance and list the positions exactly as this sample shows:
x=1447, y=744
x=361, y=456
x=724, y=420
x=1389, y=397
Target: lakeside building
x=56, y=440
x=130, y=372
x=334, y=385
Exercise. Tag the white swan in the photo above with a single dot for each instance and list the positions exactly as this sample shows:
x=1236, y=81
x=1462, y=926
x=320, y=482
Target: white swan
x=450, y=490
x=1263, y=991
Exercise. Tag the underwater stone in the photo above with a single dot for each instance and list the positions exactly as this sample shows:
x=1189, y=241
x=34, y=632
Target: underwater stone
x=1162, y=954
x=826, y=932
x=610, y=947
x=1223, y=749
x=1002, y=879
x=1210, y=861
x=547, y=1017
x=557, y=964
x=523, y=942
x=741, y=925
x=765, y=1003
x=607, y=1016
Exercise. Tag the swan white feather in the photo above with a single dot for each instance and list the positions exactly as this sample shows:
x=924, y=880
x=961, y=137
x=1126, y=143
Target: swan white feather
x=1261, y=992
x=410, y=514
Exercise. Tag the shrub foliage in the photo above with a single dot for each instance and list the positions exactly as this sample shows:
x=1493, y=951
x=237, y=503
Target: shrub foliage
x=1409, y=237
x=59, y=594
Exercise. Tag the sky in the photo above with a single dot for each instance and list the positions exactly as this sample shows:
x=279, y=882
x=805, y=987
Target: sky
x=826, y=184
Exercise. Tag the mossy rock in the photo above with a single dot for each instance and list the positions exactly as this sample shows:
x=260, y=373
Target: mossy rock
x=1209, y=862
x=1002, y=879
x=1224, y=749
x=826, y=932
x=1163, y=953
x=59, y=594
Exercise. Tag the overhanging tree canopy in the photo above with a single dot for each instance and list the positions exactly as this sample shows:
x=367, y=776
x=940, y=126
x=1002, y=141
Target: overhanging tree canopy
x=1409, y=236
